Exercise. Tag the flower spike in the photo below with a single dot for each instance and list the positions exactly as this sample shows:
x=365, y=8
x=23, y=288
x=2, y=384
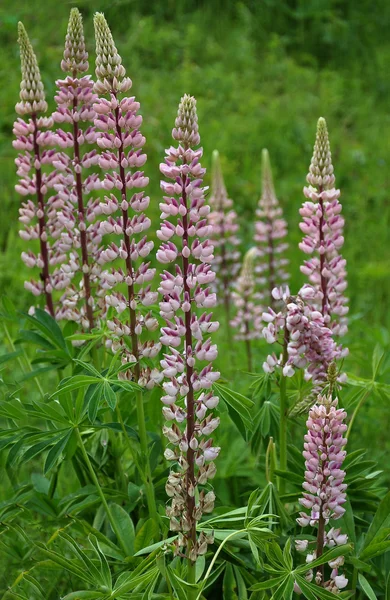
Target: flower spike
x=32, y=93
x=110, y=73
x=185, y=302
x=75, y=55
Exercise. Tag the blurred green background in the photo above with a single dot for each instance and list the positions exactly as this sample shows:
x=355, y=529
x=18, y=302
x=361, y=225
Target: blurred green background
x=262, y=72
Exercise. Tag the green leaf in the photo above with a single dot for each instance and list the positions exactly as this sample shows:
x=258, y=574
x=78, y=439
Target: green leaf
x=367, y=589
x=124, y=527
x=266, y=585
x=150, y=549
x=313, y=592
x=49, y=326
x=84, y=595
x=74, y=383
x=381, y=520
x=239, y=408
x=326, y=557
x=289, y=476
x=375, y=549
x=56, y=451
x=104, y=567
x=92, y=400
x=229, y=586
x=109, y=395
x=145, y=535
x=10, y=356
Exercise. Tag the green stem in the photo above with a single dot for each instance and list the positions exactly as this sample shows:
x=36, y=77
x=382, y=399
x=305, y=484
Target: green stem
x=143, y=436
x=229, y=537
x=191, y=578
x=99, y=489
x=283, y=433
x=355, y=412
x=283, y=417
x=354, y=581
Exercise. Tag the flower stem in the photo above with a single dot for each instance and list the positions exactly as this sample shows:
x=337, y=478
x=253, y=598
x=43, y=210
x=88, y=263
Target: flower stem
x=81, y=219
x=208, y=572
x=248, y=347
x=149, y=489
x=191, y=578
x=99, y=489
x=283, y=417
x=45, y=276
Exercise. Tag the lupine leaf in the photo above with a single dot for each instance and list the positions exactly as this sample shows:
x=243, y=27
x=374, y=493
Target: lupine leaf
x=381, y=520
x=367, y=589
x=125, y=528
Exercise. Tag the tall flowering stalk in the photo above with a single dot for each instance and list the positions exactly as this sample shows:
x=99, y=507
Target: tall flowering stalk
x=322, y=225
x=74, y=99
x=270, y=230
x=247, y=320
x=306, y=343
x=223, y=220
x=121, y=157
x=324, y=487
x=188, y=400
x=33, y=138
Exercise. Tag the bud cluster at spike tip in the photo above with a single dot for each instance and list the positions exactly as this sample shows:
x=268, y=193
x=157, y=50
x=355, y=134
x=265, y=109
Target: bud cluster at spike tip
x=270, y=229
x=34, y=141
x=122, y=212
x=80, y=238
x=32, y=93
x=186, y=297
x=223, y=220
x=322, y=225
x=324, y=488
x=309, y=342
x=110, y=73
x=247, y=320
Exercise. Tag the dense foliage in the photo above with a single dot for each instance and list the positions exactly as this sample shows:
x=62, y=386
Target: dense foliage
x=103, y=494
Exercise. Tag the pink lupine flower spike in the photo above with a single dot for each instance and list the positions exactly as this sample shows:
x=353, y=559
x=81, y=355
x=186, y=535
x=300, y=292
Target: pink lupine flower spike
x=188, y=399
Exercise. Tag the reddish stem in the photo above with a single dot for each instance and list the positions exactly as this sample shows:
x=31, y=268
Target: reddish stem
x=271, y=265
x=324, y=282
x=81, y=219
x=129, y=265
x=45, y=277
x=190, y=426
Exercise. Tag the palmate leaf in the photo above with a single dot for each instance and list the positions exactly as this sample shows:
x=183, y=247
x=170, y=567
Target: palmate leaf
x=313, y=592
x=56, y=451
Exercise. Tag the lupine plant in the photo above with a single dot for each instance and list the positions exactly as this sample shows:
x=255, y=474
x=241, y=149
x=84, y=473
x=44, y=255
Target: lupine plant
x=184, y=293
x=247, y=320
x=223, y=219
x=105, y=495
x=33, y=139
x=79, y=239
x=270, y=229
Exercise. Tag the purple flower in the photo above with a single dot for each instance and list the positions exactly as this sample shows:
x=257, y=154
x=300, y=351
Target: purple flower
x=324, y=488
x=80, y=238
x=302, y=330
x=33, y=140
x=322, y=225
x=223, y=220
x=186, y=297
x=270, y=230
x=122, y=157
